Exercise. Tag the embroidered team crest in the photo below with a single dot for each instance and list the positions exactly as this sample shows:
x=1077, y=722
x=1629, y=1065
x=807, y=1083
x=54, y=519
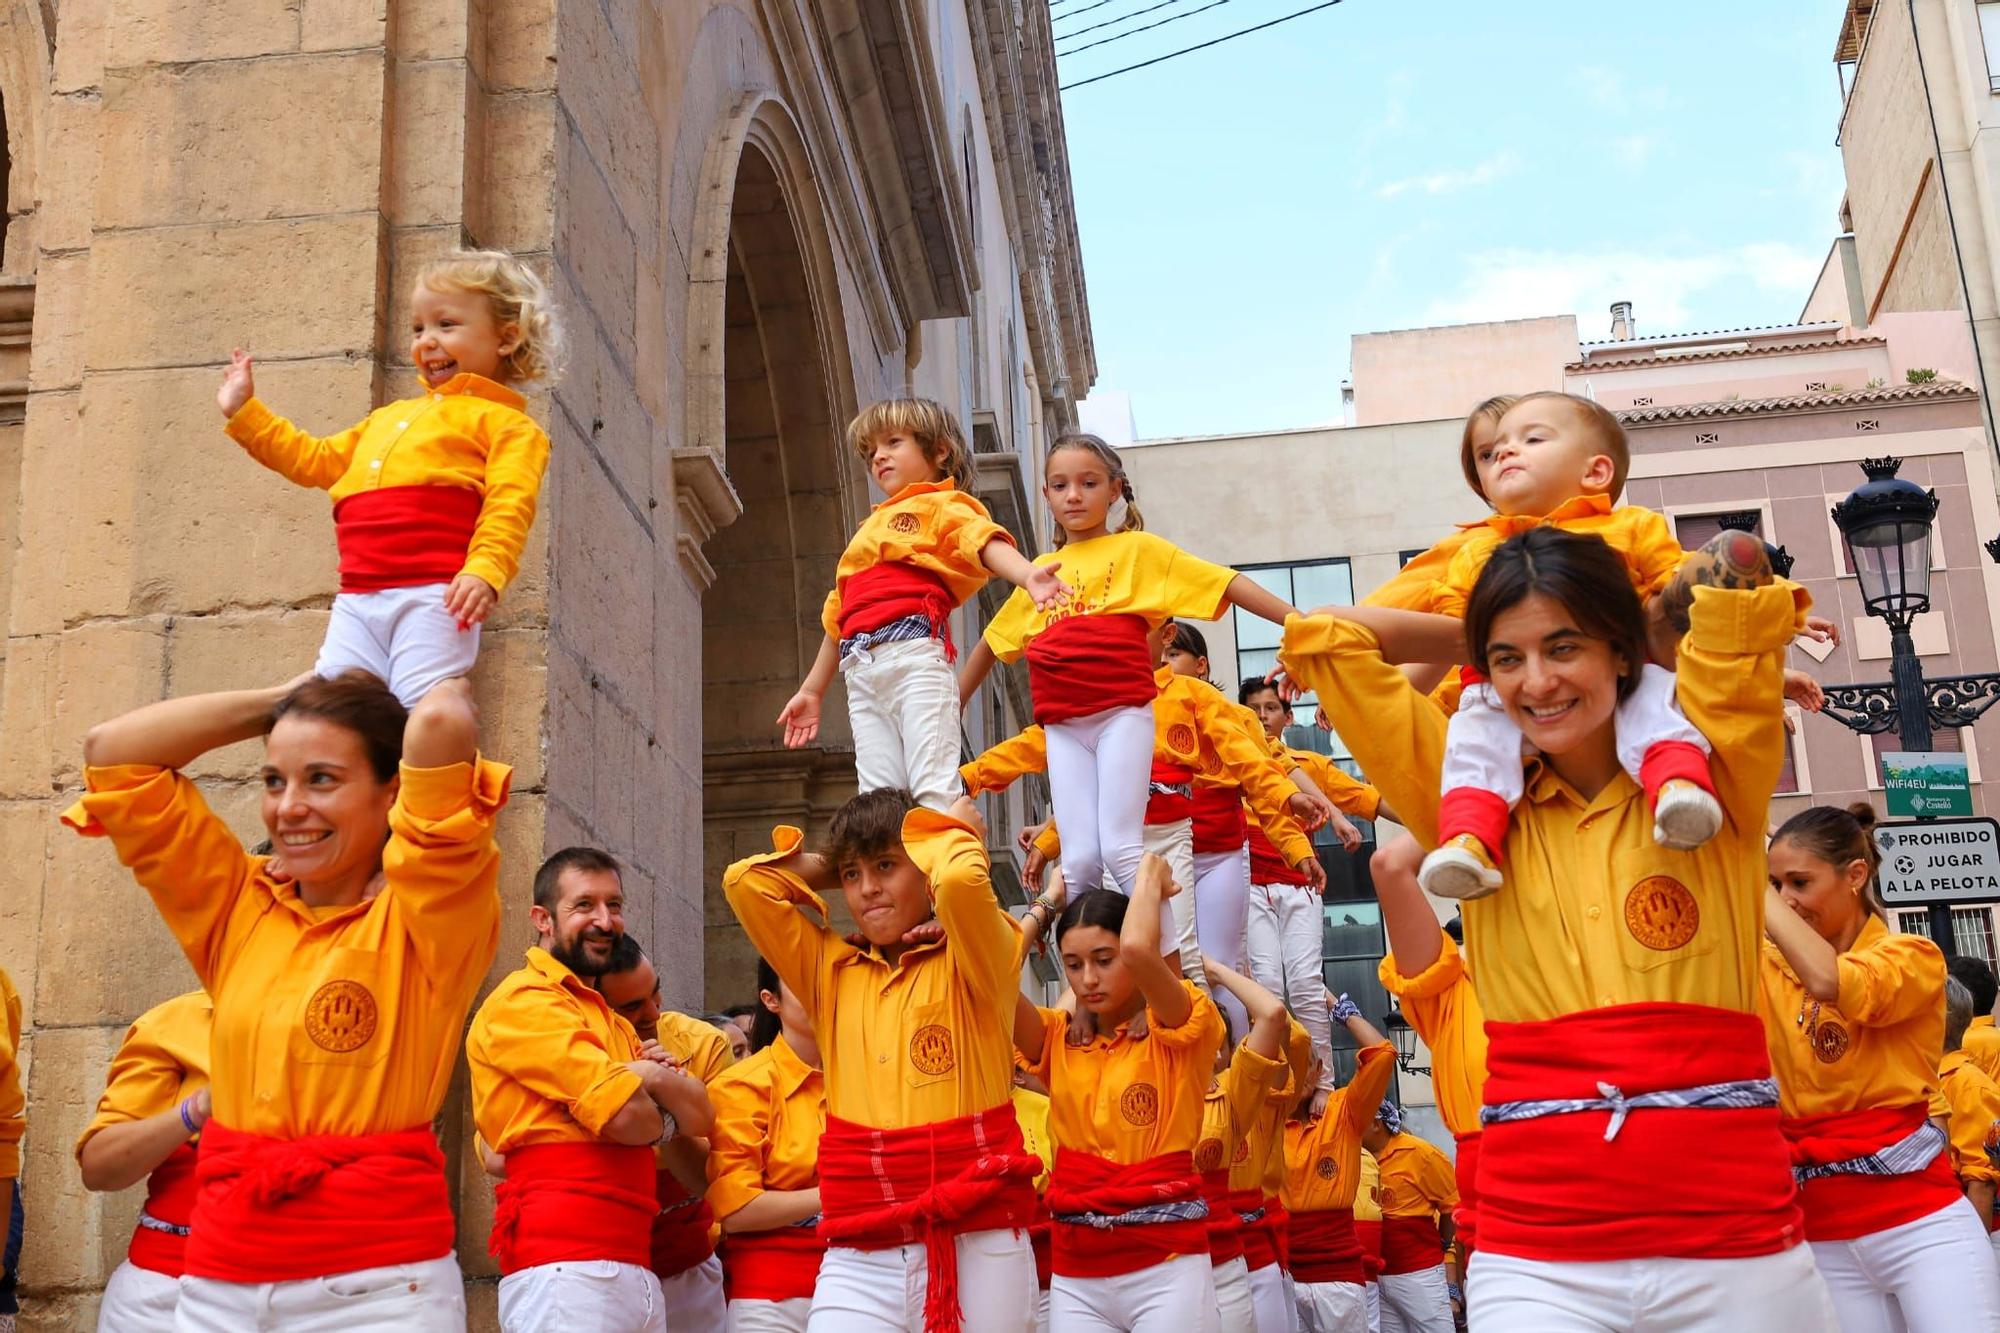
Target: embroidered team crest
x=1326, y=1168
x=1829, y=1041
x=1140, y=1105
x=930, y=1050
x=1208, y=1157
x=1180, y=738
x=341, y=1016
x=1661, y=913
x=1242, y=1153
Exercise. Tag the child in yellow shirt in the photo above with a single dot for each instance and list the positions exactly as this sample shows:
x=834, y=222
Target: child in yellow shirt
x=433, y=496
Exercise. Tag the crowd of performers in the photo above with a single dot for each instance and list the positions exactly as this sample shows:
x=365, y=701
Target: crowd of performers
x=1693, y=1080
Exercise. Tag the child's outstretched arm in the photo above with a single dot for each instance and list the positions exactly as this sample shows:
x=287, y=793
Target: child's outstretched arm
x=978, y=665
x=1258, y=600
x=1038, y=581
x=800, y=715
x=302, y=459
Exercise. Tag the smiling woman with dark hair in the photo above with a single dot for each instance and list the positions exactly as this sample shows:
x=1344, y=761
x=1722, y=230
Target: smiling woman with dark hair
x=341, y=983
x=1607, y=951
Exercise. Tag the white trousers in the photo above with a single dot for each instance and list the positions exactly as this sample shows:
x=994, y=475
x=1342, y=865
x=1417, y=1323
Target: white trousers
x=770, y=1316
x=137, y=1300
x=694, y=1300
x=1772, y=1293
x=1333, y=1307
x=1222, y=919
x=1232, y=1296
x=1415, y=1302
x=403, y=635
x=1174, y=843
x=427, y=1297
x=882, y=1291
x=1374, y=1295
x=1482, y=746
x=902, y=702
x=584, y=1293
x=1098, y=783
x=1933, y=1273
x=1287, y=931
x=1274, y=1312
x=1177, y=1296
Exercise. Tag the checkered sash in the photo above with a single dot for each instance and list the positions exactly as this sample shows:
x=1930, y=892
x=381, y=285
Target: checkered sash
x=1735, y=1094
x=1905, y=1157
x=918, y=626
x=1151, y=1214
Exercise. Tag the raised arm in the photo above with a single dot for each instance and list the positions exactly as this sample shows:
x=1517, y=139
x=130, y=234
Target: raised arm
x=1139, y=945
x=1267, y=1012
x=441, y=858
x=951, y=849
x=173, y=733
x=303, y=459
x=777, y=898
x=1040, y=582
x=1730, y=683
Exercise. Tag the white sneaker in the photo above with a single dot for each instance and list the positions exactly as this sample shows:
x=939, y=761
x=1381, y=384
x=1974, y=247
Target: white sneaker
x=1457, y=870
x=1684, y=816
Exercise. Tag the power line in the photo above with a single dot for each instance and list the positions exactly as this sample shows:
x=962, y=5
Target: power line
x=1072, y=13
x=1201, y=46
x=1148, y=27
x=1112, y=22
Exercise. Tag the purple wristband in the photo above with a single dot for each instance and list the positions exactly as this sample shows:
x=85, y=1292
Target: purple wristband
x=188, y=1120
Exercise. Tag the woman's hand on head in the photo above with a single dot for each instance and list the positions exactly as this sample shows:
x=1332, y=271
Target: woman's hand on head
x=239, y=385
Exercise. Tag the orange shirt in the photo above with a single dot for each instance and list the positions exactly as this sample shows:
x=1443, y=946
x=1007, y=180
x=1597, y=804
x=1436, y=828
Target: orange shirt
x=696, y=1043
x=549, y=1059
x=1231, y=1106
x=1595, y=913
x=1975, y=1117
x=1368, y=1196
x=1641, y=537
x=1982, y=1045
x=469, y=433
x=928, y=525
x=1877, y=1046
x=1267, y=1132
x=162, y=1061
x=1130, y=1101
x=926, y=1038
x=1323, y=1156
x=330, y=1020
x=1349, y=794
x=1417, y=1179
x=770, y=1114
x=13, y=1102
x=1120, y=573
x=1443, y=1007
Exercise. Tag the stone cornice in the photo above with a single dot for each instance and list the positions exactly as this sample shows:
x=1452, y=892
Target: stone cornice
x=17, y=324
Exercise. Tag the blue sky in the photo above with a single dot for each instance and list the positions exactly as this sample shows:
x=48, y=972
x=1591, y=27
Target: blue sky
x=1389, y=164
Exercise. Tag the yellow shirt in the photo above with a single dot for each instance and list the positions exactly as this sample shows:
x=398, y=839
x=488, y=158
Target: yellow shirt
x=1417, y=1179
x=1120, y=573
x=162, y=1061
x=1368, y=1197
x=1409, y=589
x=926, y=1038
x=1974, y=1119
x=1595, y=913
x=1267, y=1132
x=1323, y=1156
x=1349, y=794
x=696, y=1043
x=1230, y=1108
x=342, y=1020
x=13, y=1102
x=928, y=525
x=1130, y=1101
x=549, y=1059
x=1443, y=1007
x=770, y=1114
x=469, y=433
x=1982, y=1045
x=1877, y=1046
x=1641, y=538
x=1031, y=1108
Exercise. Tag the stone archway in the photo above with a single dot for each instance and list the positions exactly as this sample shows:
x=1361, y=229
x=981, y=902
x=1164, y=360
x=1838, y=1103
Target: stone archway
x=776, y=394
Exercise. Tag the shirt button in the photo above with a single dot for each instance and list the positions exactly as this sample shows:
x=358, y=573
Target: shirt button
x=1606, y=1001
x=402, y=425
x=263, y=1096
x=881, y=1059
x=1595, y=913
x=376, y=463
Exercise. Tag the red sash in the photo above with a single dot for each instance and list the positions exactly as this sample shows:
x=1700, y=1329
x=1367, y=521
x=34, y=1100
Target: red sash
x=1169, y=807
x=570, y=1202
x=1842, y=1207
x=276, y=1210
x=1369, y=1233
x=1325, y=1247
x=170, y=1196
x=681, y=1228
x=1553, y=1189
x=1225, y=1234
x=1084, y=664
x=881, y=1188
x=781, y=1265
x=1219, y=825
x=1086, y=1184
x=1267, y=866
x=1466, y=1216
x=885, y=593
x=1410, y=1245
x=404, y=536
x=1260, y=1248
x=1279, y=1219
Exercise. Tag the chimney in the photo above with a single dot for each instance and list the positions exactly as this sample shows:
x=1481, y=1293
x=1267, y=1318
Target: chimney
x=1347, y=402
x=1621, y=321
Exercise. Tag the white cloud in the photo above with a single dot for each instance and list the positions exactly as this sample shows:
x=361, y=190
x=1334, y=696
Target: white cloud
x=1612, y=90
x=1516, y=284
x=1632, y=150
x=1449, y=182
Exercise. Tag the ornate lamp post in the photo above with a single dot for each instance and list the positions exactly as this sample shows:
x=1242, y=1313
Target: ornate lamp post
x=1405, y=1039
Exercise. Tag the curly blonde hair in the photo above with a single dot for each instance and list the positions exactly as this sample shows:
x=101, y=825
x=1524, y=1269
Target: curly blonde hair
x=930, y=424
x=517, y=296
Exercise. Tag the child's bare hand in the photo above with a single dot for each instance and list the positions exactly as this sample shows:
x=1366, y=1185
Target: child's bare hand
x=238, y=385
x=470, y=600
x=1034, y=868
x=1821, y=630
x=800, y=719
x=1025, y=839
x=1343, y=829
x=966, y=811
x=1045, y=587
x=1311, y=811
x=1154, y=870
x=1315, y=873
x=1280, y=680
x=1804, y=691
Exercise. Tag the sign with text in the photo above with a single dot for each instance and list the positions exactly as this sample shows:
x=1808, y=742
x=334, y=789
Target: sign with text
x=1939, y=860
x=1926, y=783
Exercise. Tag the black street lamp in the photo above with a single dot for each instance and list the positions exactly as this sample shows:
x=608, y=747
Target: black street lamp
x=1405, y=1038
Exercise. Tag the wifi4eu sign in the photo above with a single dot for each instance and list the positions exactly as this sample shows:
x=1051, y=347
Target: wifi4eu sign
x=1939, y=860
x=1926, y=783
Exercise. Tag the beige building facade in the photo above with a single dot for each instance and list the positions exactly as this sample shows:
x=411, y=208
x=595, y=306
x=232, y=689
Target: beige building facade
x=756, y=216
